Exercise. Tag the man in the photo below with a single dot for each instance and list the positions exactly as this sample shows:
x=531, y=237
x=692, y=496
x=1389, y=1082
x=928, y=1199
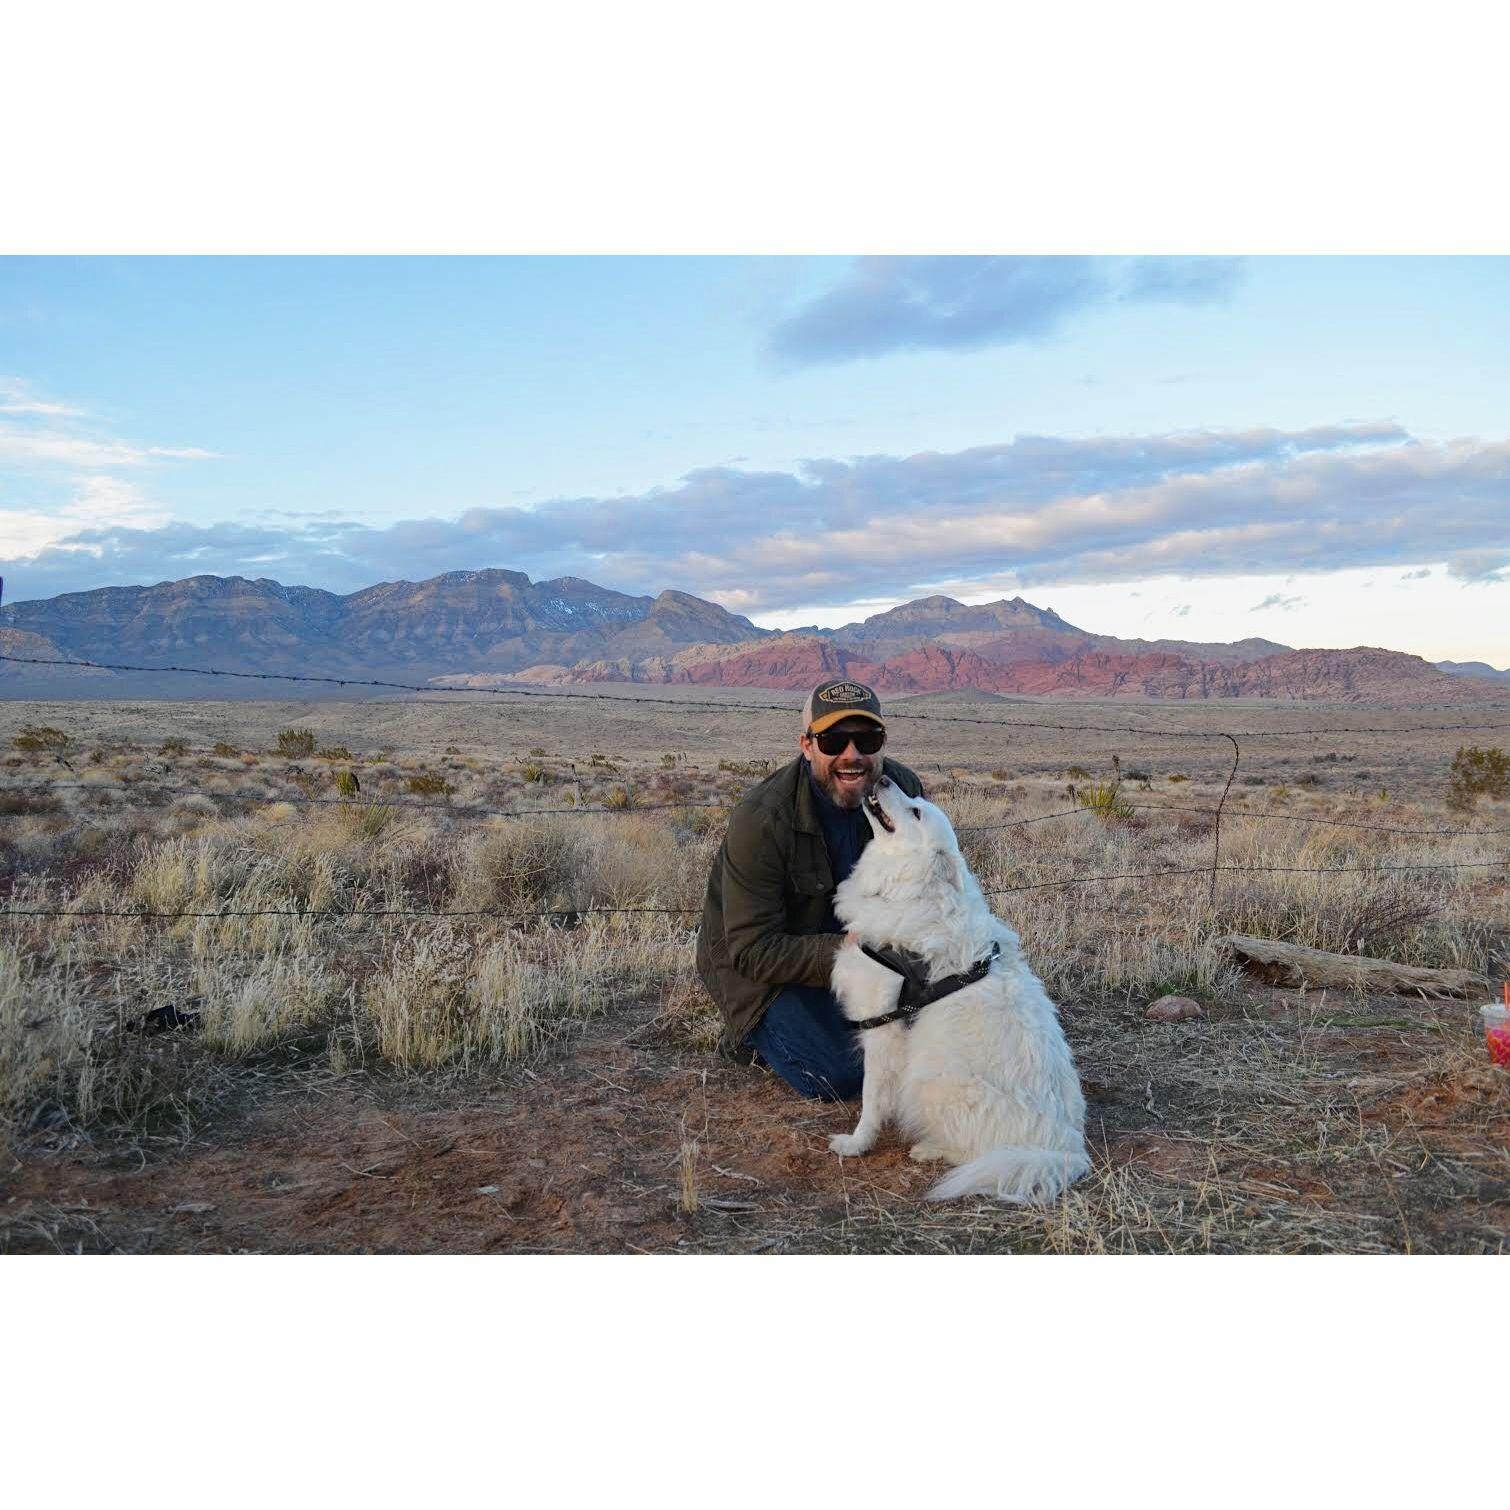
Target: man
x=768, y=938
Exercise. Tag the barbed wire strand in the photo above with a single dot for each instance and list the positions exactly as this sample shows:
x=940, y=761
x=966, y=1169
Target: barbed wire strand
x=355, y=804
x=577, y=913
x=1254, y=870
x=366, y=802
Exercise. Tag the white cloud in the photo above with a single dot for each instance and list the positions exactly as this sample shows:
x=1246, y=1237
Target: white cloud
x=16, y=397
x=99, y=503
x=94, y=506
x=1008, y=516
x=79, y=451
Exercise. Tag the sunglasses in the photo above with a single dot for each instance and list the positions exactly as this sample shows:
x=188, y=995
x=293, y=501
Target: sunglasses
x=867, y=741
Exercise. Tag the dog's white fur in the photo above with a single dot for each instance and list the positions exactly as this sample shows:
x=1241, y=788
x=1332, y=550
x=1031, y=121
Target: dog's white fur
x=983, y=1077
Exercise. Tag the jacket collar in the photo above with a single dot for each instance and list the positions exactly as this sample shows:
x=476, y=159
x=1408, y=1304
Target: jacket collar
x=807, y=820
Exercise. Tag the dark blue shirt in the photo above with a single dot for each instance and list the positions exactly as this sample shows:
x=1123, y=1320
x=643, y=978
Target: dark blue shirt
x=846, y=832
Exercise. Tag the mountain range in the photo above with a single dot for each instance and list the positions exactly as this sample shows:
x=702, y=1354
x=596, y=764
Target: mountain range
x=496, y=628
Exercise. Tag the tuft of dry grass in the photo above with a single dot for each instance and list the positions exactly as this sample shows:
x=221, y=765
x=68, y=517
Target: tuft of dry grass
x=514, y=865
x=246, y=1005
x=437, y=1000
x=65, y=1057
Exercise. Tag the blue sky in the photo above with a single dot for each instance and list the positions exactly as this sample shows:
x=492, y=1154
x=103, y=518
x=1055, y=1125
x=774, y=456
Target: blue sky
x=1310, y=449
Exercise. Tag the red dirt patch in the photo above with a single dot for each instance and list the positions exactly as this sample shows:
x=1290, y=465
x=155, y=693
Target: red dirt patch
x=1461, y=1111
x=588, y=1160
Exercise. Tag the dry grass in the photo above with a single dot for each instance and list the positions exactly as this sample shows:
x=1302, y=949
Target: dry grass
x=359, y=994
x=437, y=1000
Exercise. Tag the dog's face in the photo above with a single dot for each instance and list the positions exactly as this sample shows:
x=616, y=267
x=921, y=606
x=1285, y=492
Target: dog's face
x=911, y=885
x=912, y=856
x=908, y=825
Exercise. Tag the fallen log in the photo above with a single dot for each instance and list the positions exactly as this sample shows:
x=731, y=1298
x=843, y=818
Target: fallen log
x=1295, y=966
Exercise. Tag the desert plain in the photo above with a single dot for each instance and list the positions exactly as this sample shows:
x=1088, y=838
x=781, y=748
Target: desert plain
x=414, y=974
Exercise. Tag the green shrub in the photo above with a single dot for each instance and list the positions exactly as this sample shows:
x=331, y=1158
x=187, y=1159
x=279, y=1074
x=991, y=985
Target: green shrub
x=347, y=784
x=535, y=773
x=296, y=742
x=1477, y=773
x=225, y=751
x=427, y=784
x=335, y=752
x=173, y=745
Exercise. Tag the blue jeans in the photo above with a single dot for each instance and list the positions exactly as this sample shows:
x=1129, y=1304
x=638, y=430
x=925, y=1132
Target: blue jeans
x=807, y=1040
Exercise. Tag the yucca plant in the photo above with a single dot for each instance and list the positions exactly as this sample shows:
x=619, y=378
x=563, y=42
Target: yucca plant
x=1105, y=800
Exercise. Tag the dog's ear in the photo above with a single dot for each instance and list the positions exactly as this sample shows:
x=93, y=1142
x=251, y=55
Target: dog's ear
x=944, y=870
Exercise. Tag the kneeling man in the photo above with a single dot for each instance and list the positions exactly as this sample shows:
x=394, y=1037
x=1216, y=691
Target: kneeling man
x=768, y=937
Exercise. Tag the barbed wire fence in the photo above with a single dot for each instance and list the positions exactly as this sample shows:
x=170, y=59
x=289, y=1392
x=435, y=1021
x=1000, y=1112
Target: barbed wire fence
x=522, y=695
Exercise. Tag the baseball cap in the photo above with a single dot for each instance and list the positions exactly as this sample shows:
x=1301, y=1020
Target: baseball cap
x=831, y=701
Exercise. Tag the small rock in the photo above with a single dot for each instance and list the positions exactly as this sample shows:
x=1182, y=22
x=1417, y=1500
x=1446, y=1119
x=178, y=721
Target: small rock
x=486, y=1190
x=192, y=1208
x=1173, y=1009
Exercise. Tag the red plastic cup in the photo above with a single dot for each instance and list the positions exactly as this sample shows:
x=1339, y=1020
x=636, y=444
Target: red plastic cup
x=1497, y=1032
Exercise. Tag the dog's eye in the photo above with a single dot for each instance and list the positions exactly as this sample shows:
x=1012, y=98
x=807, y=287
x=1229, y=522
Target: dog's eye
x=917, y=813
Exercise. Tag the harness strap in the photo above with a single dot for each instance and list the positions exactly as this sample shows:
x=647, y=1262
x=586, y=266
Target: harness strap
x=917, y=991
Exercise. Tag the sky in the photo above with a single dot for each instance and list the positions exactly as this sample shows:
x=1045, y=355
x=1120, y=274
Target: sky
x=1312, y=450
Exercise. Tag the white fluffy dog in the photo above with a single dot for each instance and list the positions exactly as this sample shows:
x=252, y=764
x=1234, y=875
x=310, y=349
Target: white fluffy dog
x=981, y=1077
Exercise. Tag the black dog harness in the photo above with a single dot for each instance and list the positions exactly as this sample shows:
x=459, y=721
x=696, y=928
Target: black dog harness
x=917, y=990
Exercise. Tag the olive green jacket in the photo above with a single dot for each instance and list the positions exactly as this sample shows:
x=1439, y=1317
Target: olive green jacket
x=767, y=899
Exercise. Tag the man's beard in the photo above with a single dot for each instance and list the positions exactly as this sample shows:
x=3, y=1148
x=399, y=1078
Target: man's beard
x=845, y=794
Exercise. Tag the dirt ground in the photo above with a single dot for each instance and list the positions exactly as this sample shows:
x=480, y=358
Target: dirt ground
x=1387, y=1132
